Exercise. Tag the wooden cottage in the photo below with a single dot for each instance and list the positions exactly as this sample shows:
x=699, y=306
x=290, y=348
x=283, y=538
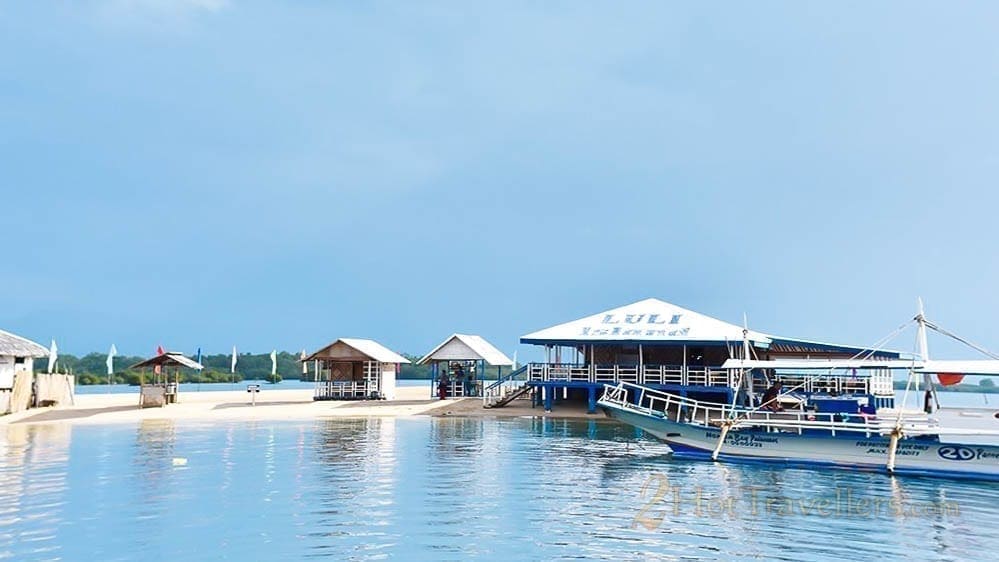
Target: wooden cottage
x=355, y=369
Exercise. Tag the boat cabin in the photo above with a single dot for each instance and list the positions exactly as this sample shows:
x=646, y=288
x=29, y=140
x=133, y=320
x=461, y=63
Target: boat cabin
x=666, y=347
x=355, y=369
x=460, y=361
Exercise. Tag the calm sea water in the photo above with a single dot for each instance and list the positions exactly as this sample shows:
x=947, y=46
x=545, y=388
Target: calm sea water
x=451, y=489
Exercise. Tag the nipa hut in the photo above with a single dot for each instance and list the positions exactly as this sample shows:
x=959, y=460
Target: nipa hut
x=160, y=390
x=355, y=369
x=17, y=357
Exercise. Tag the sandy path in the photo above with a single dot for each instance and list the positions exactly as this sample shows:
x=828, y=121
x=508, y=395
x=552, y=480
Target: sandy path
x=272, y=405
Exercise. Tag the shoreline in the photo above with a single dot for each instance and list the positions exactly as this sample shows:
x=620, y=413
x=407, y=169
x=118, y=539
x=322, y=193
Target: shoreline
x=298, y=405
x=274, y=405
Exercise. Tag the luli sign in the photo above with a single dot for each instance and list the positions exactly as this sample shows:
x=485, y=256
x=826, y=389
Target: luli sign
x=646, y=325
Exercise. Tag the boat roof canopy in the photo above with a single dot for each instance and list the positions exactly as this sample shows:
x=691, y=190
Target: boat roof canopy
x=972, y=367
x=820, y=364
x=464, y=347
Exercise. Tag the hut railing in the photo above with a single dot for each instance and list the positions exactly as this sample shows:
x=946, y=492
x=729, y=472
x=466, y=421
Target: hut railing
x=690, y=375
x=634, y=374
x=506, y=384
x=344, y=389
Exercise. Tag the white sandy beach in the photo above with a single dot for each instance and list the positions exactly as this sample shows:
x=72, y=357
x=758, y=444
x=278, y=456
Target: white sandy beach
x=271, y=405
x=225, y=405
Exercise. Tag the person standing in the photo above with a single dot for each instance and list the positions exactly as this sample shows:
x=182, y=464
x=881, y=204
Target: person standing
x=459, y=375
x=442, y=386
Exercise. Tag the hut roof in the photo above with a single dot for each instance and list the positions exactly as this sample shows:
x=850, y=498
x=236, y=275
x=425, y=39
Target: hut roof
x=12, y=344
x=170, y=359
x=464, y=347
x=367, y=348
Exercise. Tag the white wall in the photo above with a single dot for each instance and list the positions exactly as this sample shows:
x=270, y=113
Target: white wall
x=388, y=380
x=26, y=366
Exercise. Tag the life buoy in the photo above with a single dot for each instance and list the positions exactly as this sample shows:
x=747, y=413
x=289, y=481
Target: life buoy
x=949, y=379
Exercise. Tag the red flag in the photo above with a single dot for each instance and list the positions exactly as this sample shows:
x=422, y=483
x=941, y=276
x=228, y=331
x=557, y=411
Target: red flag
x=159, y=351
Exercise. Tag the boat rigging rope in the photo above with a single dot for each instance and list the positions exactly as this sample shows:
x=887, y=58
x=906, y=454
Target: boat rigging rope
x=862, y=355
x=970, y=344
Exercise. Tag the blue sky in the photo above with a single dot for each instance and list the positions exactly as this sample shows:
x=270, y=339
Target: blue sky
x=211, y=172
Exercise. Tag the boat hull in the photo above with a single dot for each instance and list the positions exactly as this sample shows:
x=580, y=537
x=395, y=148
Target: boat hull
x=852, y=451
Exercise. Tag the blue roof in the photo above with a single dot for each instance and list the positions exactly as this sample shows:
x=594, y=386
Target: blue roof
x=792, y=345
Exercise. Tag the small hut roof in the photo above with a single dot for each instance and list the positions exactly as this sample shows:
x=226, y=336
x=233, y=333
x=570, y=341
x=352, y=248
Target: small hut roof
x=464, y=347
x=12, y=344
x=171, y=359
x=368, y=348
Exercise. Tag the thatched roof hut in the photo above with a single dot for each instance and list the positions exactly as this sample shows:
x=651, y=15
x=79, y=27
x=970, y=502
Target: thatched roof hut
x=12, y=345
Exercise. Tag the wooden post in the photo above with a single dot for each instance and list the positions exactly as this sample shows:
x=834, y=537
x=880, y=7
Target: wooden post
x=892, y=449
x=721, y=441
x=641, y=365
x=683, y=369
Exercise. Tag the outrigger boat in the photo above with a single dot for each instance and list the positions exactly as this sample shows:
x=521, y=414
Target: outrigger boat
x=821, y=431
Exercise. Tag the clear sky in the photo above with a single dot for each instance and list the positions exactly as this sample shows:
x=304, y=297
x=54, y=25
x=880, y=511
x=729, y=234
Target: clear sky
x=276, y=175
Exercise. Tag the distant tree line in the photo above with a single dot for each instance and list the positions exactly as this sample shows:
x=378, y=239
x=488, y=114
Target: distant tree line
x=92, y=369
x=987, y=386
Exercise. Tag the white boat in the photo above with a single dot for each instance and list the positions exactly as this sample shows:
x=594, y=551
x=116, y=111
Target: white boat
x=895, y=440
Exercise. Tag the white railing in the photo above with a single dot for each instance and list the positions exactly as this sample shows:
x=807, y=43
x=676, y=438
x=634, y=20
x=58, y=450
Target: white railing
x=500, y=389
x=838, y=384
x=661, y=404
x=344, y=389
x=457, y=389
x=684, y=410
x=644, y=374
x=876, y=383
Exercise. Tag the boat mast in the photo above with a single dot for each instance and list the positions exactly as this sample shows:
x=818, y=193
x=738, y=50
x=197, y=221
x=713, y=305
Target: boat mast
x=924, y=351
x=924, y=354
x=745, y=357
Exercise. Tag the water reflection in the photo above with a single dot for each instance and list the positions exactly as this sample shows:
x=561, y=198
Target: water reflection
x=33, y=481
x=447, y=489
x=356, y=471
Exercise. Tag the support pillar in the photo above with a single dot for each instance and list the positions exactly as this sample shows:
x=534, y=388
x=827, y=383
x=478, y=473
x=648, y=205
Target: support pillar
x=549, y=395
x=591, y=400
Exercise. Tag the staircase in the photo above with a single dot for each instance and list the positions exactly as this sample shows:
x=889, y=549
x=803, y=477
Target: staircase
x=506, y=389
